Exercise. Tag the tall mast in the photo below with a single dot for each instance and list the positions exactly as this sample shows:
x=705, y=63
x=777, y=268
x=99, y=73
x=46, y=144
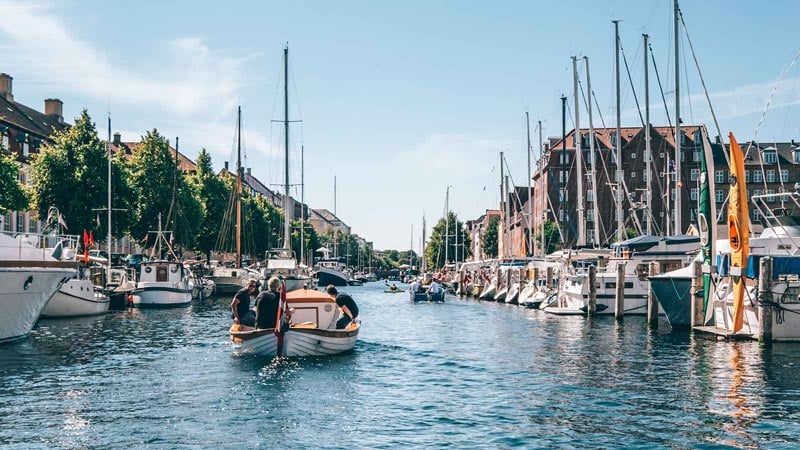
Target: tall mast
x=648, y=155
x=424, y=232
x=287, y=236
x=411, y=250
x=543, y=190
x=334, y=195
x=578, y=157
x=175, y=191
x=302, y=204
x=446, y=224
x=108, y=154
x=529, y=251
x=563, y=170
x=239, y=188
x=678, y=185
x=593, y=161
x=506, y=236
x=502, y=209
x=620, y=222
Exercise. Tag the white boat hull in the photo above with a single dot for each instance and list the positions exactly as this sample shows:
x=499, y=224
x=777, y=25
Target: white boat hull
x=155, y=297
x=299, y=342
x=76, y=298
x=21, y=305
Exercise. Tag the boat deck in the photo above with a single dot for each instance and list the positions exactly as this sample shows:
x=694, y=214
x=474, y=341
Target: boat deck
x=723, y=334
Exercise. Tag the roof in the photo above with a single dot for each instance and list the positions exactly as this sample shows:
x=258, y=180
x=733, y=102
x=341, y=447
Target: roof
x=327, y=215
x=184, y=162
x=29, y=120
x=604, y=135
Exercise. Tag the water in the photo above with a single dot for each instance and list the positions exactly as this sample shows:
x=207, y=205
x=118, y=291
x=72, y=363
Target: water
x=461, y=374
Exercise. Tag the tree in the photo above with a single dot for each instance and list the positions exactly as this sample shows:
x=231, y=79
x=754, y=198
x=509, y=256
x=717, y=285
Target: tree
x=489, y=239
x=12, y=194
x=551, y=235
x=212, y=196
x=71, y=174
x=312, y=241
x=435, y=251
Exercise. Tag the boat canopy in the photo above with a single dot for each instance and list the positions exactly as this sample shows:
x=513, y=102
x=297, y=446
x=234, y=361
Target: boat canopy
x=646, y=242
x=308, y=296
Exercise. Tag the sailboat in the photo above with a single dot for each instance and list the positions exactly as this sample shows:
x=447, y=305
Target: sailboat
x=283, y=262
x=163, y=282
x=228, y=280
x=79, y=296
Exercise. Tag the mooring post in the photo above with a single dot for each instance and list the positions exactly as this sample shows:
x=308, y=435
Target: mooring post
x=549, y=279
x=765, y=301
x=619, y=303
x=592, y=309
x=697, y=299
x=652, y=303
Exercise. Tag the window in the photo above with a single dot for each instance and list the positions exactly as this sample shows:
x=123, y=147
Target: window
x=756, y=192
x=697, y=136
x=797, y=156
x=661, y=155
x=563, y=158
x=6, y=218
x=672, y=195
x=20, y=223
x=770, y=176
x=693, y=193
x=562, y=176
x=633, y=155
x=633, y=174
x=696, y=156
x=784, y=176
x=589, y=195
x=616, y=175
x=746, y=176
x=683, y=137
x=613, y=139
x=757, y=176
x=5, y=142
x=590, y=216
x=756, y=215
x=694, y=174
x=720, y=195
x=31, y=225
x=25, y=149
x=770, y=192
x=590, y=235
x=770, y=157
x=693, y=214
x=719, y=176
x=683, y=156
x=560, y=215
x=561, y=195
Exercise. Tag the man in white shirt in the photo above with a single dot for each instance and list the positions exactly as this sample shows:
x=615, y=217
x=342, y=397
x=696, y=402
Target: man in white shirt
x=435, y=288
x=414, y=286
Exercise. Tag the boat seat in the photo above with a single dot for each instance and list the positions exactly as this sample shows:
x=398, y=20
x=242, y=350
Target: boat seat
x=305, y=325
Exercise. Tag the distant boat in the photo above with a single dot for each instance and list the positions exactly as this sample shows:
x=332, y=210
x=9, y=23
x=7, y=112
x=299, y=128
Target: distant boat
x=163, y=282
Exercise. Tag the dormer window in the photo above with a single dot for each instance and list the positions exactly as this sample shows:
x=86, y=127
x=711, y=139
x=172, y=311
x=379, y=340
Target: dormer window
x=796, y=153
x=614, y=139
x=770, y=155
x=683, y=137
x=584, y=140
x=697, y=136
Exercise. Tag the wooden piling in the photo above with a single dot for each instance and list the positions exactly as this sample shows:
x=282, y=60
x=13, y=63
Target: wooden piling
x=619, y=300
x=549, y=278
x=592, y=309
x=696, y=305
x=652, y=303
x=765, y=300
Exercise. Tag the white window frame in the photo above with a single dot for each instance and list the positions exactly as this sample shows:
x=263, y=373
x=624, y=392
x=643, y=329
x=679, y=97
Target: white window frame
x=784, y=176
x=757, y=176
x=719, y=176
x=770, y=176
x=693, y=193
x=719, y=196
x=694, y=174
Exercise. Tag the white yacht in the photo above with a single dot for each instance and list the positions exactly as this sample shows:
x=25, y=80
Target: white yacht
x=162, y=282
x=29, y=277
x=79, y=296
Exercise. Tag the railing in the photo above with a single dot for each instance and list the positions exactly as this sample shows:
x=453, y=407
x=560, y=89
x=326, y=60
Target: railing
x=786, y=215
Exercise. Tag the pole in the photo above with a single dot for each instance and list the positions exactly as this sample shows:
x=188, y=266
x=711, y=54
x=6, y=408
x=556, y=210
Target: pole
x=502, y=239
x=542, y=193
x=696, y=306
x=302, y=203
x=334, y=195
x=620, y=222
x=678, y=185
x=529, y=251
x=578, y=157
x=446, y=225
x=765, y=300
x=593, y=161
x=592, y=309
x=619, y=303
x=652, y=303
x=507, y=230
x=563, y=170
x=108, y=154
x=648, y=155
x=287, y=236
x=239, y=188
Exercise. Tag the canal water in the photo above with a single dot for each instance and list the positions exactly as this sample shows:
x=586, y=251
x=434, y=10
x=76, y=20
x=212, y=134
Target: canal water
x=463, y=374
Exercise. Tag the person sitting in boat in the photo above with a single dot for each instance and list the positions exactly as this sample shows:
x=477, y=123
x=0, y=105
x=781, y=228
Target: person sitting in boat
x=347, y=305
x=415, y=286
x=393, y=287
x=240, y=305
x=435, y=288
x=267, y=304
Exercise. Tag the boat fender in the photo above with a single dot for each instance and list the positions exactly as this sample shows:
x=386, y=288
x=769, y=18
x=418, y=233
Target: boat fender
x=28, y=283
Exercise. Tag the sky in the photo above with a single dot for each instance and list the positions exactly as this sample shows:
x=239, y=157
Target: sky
x=397, y=100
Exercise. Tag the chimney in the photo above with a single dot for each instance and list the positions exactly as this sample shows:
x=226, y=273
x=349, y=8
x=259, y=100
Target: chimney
x=249, y=172
x=117, y=139
x=53, y=108
x=5, y=86
x=226, y=166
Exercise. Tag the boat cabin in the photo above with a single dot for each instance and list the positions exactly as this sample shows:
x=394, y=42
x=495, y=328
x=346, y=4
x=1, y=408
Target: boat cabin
x=313, y=307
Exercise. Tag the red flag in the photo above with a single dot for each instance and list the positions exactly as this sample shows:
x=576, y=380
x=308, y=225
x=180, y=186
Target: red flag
x=91, y=238
x=85, y=246
x=279, y=321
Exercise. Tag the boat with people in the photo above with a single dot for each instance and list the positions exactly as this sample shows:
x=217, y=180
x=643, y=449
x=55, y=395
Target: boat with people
x=164, y=282
x=311, y=332
x=29, y=276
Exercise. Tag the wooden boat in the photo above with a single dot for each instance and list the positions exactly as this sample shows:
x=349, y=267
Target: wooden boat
x=312, y=333
x=738, y=232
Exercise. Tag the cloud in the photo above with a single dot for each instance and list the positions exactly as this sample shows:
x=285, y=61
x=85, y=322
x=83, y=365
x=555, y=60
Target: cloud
x=193, y=80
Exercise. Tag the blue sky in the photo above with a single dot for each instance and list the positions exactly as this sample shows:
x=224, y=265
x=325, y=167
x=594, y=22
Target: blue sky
x=398, y=99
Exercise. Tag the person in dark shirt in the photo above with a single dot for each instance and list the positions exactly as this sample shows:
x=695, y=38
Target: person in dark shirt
x=346, y=303
x=267, y=304
x=240, y=305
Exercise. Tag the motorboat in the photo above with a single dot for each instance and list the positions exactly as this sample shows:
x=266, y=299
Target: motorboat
x=163, y=282
x=76, y=298
x=29, y=276
x=312, y=331
x=331, y=271
x=282, y=263
x=227, y=280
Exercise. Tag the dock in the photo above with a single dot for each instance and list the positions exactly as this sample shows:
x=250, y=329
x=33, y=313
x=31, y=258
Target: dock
x=723, y=334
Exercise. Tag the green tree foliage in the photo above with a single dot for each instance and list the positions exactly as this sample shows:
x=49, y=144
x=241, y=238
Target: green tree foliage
x=489, y=238
x=152, y=176
x=12, y=194
x=312, y=241
x=263, y=225
x=630, y=233
x=552, y=237
x=71, y=175
x=435, y=251
x=212, y=196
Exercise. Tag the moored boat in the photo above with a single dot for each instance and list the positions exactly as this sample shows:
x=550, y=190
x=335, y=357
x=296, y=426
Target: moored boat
x=77, y=297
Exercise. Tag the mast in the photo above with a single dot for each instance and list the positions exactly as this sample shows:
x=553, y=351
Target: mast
x=529, y=251
x=446, y=225
x=562, y=172
x=506, y=236
x=543, y=192
x=334, y=195
x=592, y=161
x=108, y=154
x=287, y=236
x=423, y=265
x=678, y=185
x=620, y=222
x=302, y=204
x=410, y=252
x=647, y=150
x=239, y=188
x=175, y=193
x=502, y=228
x=578, y=157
